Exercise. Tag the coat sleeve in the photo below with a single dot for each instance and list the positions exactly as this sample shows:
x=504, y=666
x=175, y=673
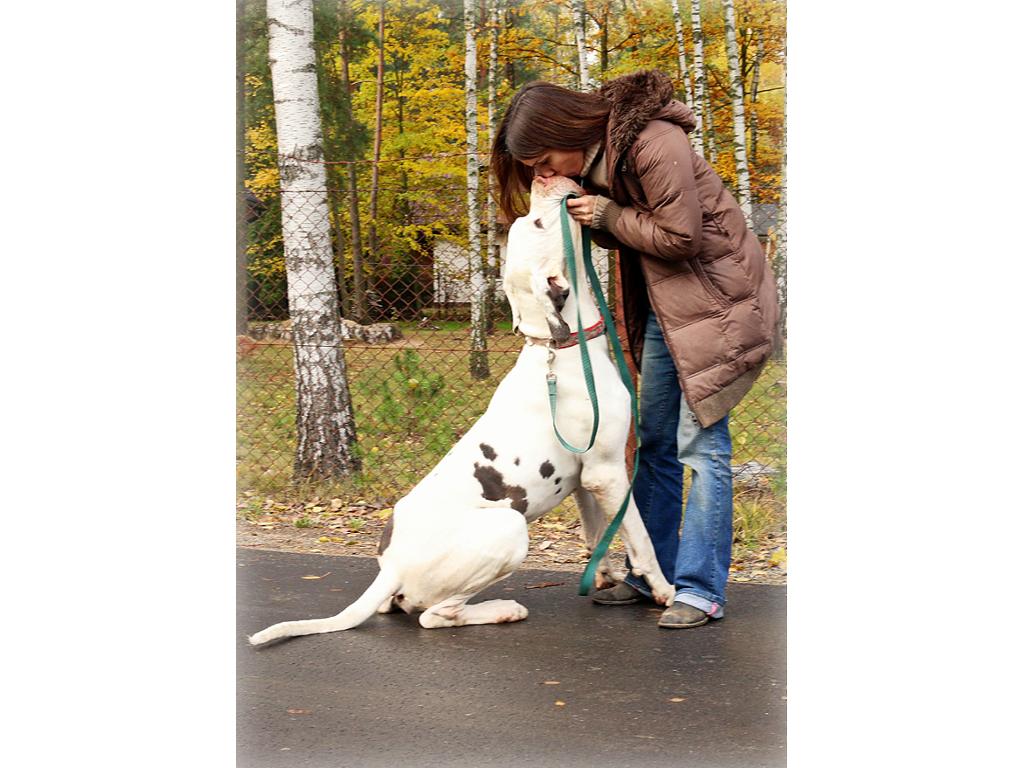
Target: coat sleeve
x=671, y=228
x=605, y=240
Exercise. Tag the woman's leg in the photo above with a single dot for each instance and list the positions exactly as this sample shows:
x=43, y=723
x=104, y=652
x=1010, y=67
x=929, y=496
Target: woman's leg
x=658, y=488
x=705, y=549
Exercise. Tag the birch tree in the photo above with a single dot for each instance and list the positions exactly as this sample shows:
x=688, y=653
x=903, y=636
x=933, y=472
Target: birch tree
x=684, y=72
x=378, y=137
x=478, y=365
x=700, y=99
x=579, y=23
x=709, y=129
x=736, y=97
x=755, y=81
x=493, y=256
x=324, y=421
x=780, y=263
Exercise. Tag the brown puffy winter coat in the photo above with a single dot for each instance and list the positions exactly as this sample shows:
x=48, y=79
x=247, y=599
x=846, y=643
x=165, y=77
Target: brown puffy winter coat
x=684, y=248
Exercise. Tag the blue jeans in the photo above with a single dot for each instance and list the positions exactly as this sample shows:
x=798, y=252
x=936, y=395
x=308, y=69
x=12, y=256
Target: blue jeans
x=697, y=562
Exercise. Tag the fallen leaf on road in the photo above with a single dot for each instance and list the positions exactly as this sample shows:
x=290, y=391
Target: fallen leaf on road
x=317, y=577
x=300, y=711
x=559, y=703
x=678, y=698
x=545, y=584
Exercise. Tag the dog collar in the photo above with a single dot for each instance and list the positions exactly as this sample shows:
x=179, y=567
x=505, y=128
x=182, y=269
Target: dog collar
x=591, y=333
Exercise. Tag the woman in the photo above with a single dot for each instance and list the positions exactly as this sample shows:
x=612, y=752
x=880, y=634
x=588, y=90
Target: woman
x=698, y=299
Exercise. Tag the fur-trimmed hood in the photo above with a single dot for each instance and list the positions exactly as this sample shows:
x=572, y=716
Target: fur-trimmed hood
x=637, y=99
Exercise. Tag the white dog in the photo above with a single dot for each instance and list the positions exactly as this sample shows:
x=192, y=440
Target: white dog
x=463, y=527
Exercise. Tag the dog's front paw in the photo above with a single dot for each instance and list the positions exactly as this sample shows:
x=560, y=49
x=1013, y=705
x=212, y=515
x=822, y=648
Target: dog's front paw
x=605, y=578
x=664, y=595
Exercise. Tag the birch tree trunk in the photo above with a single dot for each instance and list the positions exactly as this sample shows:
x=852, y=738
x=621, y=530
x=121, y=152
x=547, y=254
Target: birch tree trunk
x=493, y=267
x=753, y=97
x=604, y=40
x=579, y=23
x=510, y=64
x=736, y=97
x=556, y=35
x=478, y=366
x=324, y=421
x=684, y=72
x=780, y=263
x=378, y=134
x=700, y=98
x=359, y=312
x=709, y=128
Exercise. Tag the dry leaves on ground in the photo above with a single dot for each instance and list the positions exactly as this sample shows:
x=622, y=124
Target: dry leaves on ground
x=333, y=527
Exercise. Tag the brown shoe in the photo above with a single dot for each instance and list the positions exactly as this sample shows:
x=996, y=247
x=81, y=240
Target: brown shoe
x=620, y=594
x=682, y=616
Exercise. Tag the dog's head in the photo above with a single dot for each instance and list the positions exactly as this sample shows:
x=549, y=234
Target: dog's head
x=535, y=280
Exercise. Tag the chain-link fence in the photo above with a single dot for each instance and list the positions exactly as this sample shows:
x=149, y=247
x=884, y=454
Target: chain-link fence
x=407, y=363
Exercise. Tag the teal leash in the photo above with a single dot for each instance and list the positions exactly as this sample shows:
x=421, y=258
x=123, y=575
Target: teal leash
x=587, y=580
x=588, y=372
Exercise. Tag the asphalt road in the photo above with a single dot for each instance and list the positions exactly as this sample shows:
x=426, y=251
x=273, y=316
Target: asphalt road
x=389, y=693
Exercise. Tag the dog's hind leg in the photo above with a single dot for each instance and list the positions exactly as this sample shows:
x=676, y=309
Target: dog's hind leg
x=488, y=547
x=454, y=612
x=388, y=606
x=594, y=525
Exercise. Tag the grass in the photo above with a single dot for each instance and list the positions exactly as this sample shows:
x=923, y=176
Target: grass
x=414, y=399
x=754, y=515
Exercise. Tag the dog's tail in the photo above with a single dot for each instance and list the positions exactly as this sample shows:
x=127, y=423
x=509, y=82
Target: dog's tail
x=384, y=586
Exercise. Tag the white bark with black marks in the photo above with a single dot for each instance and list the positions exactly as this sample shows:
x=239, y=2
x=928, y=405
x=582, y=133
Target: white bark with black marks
x=779, y=260
x=700, y=98
x=493, y=73
x=684, y=72
x=755, y=81
x=579, y=24
x=478, y=366
x=324, y=421
x=738, y=123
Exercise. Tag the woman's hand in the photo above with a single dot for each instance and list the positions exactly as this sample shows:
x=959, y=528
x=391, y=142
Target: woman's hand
x=582, y=209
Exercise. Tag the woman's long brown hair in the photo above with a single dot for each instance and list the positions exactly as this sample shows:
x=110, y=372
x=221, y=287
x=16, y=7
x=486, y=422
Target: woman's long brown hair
x=541, y=116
